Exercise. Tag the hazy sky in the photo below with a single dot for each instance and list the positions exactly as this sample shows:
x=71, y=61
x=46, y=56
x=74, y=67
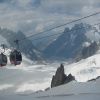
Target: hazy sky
x=36, y=15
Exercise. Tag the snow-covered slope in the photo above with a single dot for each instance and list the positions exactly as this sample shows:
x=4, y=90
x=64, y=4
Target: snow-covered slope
x=27, y=77
x=21, y=82
x=73, y=91
x=86, y=69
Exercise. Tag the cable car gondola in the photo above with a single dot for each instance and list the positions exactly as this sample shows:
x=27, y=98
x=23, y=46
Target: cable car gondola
x=15, y=57
x=3, y=60
x=3, y=57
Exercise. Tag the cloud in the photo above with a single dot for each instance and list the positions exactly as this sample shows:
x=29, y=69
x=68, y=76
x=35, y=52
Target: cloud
x=63, y=6
x=32, y=86
x=36, y=15
x=5, y=86
x=39, y=28
x=3, y=1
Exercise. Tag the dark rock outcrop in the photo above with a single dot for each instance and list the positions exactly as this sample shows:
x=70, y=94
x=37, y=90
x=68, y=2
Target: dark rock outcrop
x=47, y=89
x=60, y=78
x=69, y=78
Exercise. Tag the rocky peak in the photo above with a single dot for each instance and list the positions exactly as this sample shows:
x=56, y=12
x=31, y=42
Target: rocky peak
x=60, y=77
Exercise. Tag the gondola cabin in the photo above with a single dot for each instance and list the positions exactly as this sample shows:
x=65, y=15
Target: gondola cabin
x=15, y=57
x=3, y=60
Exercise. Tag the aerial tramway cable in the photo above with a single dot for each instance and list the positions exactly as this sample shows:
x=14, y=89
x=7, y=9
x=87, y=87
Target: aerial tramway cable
x=73, y=21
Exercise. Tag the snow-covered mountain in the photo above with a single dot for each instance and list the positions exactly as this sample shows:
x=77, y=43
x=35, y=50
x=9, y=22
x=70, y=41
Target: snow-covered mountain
x=21, y=82
x=68, y=45
x=71, y=42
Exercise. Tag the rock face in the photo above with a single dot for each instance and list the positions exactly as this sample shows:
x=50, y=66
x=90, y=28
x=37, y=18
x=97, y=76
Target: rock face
x=68, y=44
x=69, y=78
x=60, y=78
x=90, y=50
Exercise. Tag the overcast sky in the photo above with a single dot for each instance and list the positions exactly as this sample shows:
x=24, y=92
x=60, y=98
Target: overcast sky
x=36, y=15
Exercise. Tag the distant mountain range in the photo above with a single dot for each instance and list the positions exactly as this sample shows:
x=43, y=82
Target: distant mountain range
x=71, y=43
x=75, y=42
